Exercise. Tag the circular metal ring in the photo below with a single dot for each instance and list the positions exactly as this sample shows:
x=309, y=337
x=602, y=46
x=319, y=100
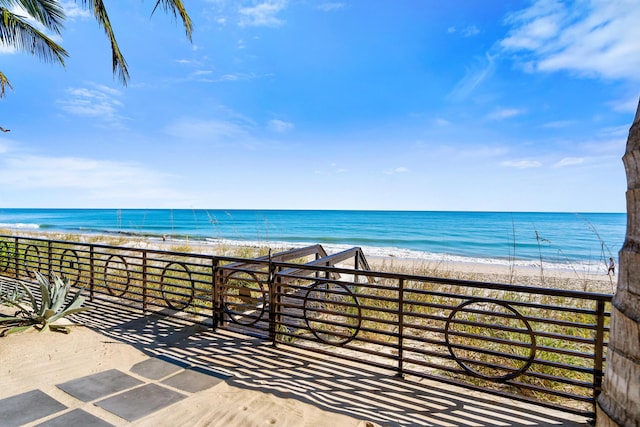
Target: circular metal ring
x=4, y=256
x=520, y=317
x=117, y=292
x=73, y=262
x=325, y=336
x=170, y=297
x=245, y=308
x=30, y=273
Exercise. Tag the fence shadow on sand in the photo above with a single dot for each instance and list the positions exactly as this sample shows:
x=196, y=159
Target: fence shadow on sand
x=357, y=390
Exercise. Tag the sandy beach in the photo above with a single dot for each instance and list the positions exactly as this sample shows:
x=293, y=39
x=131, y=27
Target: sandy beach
x=248, y=383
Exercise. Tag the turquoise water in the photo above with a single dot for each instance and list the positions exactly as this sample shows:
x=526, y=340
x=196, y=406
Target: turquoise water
x=566, y=239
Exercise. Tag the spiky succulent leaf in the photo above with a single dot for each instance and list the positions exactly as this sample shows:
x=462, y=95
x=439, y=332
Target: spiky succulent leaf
x=66, y=313
x=17, y=329
x=45, y=293
x=32, y=299
x=10, y=319
x=62, y=288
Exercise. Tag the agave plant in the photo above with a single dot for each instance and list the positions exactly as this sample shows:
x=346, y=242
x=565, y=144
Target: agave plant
x=43, y=314
x=11, y=296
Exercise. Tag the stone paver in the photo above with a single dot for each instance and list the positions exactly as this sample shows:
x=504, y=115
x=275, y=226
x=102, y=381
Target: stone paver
x=99, y=385
x=77, y=417
x=155, y=368
x=140, y=402
x=27, y=407
x=192, y=381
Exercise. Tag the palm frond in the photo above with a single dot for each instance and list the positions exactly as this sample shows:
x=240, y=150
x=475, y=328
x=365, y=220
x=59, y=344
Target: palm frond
x=4, y=83
x=15, y=31
x=119, y=64
x=175, y=7
x=48, y=12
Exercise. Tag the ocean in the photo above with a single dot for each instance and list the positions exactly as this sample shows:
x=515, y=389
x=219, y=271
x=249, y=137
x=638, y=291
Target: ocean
x=562, y=240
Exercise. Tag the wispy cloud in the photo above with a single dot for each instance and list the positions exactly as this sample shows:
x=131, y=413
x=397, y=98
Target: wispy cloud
x=98, y=101
x=106, y=182
x=213, y=130
x=569, y=161
x=589, y=38
x=279, y=126
x=398, y=170
x=333, y=169
x=625, y=105
x=263, y=14
x=504, y=113
x=72, y=11
x=475, y=75
x=439, y=121
x=558, y=124
x=328, y=7
x=470, y=31
x=521, y=164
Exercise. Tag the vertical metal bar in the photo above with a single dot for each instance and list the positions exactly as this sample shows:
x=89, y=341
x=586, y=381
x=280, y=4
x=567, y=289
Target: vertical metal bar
x=144, y=280
x=15, y=257
x=599, y=352
x=91, y=272
x=400, y=327
x=50, y=260
x=215, y=307
x=272, y=302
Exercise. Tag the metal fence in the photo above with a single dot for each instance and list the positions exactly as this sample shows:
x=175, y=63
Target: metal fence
x=545, y=346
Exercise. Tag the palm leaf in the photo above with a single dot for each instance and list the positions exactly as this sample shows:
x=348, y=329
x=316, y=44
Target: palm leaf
x=48, y=12
x=15, y=31
x=4, y=83
x=175, y=7
x=119, y=64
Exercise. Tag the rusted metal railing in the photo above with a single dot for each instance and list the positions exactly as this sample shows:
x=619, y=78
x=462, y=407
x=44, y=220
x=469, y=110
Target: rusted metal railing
x=535, y=344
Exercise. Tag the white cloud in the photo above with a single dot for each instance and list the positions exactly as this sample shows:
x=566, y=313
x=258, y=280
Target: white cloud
x=328, y=7
x=439, y=121
x=591, y=38
x=263, y=14
x=569, y=161
x=72, y=11
x=332, y=170
x=504, y=113
x=211, y=130
x=451, y=30
x=71, y=180
x=558, y=124
x=521, y=164
x=470, y=31
x=474, y=76
x=626, y=105
x=4, y=148
x=279, y=126
x=100, y=102
x=395, y=171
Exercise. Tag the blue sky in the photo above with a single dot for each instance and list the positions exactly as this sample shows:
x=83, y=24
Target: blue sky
x=299, y=104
